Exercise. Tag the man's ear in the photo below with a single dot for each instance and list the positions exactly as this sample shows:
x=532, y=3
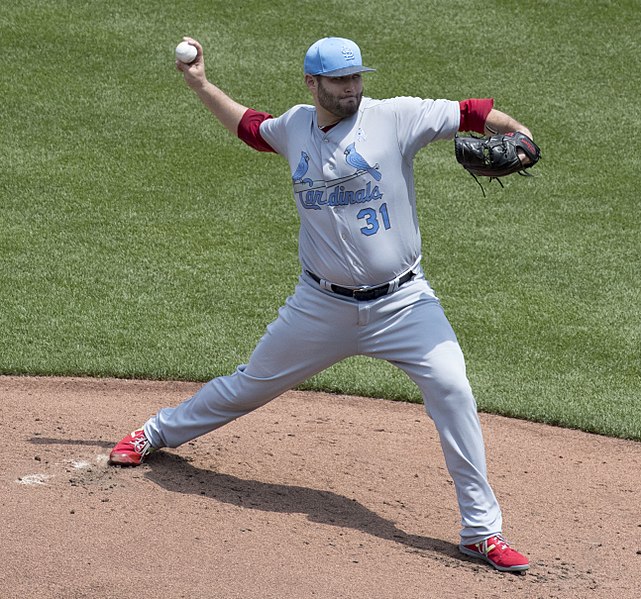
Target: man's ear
x=310, y=82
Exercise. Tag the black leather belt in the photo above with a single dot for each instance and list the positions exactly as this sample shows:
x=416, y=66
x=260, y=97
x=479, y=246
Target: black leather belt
x=365, y=294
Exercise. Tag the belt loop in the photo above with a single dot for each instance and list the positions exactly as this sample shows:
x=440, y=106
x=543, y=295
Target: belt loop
x=325, y=285
x=322, y=283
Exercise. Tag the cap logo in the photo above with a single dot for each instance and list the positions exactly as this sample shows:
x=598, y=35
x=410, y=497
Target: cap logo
x=348, y=53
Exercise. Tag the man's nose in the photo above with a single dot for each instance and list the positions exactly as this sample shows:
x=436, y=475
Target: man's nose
x=350, y=86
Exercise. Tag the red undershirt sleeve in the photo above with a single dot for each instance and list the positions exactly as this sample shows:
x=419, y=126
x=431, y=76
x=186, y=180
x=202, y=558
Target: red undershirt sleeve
x=474, y=113
x=249, y=130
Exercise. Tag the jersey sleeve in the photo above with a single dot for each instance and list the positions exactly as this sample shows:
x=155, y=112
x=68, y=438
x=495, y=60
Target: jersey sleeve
x=249, y=130
x=291, y=125
x=422, y=121
x=474, y=113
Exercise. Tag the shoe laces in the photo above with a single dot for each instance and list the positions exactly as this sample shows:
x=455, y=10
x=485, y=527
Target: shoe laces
x=141, y=444
x=494, y=542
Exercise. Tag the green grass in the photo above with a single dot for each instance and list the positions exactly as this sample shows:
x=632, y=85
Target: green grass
x=139, y=239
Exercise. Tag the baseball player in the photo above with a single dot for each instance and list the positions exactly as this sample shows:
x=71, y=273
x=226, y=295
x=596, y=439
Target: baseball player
x=362, y=289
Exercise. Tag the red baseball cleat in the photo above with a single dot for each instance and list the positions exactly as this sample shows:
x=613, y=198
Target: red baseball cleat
x=132, y=450
x=497, y=552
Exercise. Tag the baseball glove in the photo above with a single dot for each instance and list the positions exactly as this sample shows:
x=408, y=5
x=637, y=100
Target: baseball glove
x=496, y=156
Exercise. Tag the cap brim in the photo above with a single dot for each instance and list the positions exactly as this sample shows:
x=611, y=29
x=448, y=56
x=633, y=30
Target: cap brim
x=344, y=72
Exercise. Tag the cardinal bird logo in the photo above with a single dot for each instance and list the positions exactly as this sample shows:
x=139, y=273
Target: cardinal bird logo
x=353, y=158
x=301, y=170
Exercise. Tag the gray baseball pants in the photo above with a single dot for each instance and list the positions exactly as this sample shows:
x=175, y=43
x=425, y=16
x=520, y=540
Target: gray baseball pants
x=315, y=329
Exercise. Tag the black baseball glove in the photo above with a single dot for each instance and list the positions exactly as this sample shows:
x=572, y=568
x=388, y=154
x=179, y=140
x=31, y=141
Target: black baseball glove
x=496, y=156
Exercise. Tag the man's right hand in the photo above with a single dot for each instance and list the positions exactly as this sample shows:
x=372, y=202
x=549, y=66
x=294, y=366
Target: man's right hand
x=194, y=71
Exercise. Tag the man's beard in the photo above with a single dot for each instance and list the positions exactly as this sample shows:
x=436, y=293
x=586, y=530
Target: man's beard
x=334, y=105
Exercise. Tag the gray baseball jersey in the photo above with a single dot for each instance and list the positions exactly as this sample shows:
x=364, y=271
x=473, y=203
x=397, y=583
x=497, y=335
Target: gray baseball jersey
x=354, y=184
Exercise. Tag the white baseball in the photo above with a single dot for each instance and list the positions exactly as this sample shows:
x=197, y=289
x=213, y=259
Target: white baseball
x=185, y=52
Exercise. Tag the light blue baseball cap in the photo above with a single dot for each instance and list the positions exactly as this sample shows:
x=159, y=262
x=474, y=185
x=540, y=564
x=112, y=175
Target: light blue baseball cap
x=334, y=57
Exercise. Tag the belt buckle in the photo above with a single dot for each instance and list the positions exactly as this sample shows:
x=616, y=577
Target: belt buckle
x=364, y=295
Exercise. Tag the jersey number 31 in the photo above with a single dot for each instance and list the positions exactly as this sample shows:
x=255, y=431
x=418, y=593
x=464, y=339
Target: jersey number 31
x=371, y=219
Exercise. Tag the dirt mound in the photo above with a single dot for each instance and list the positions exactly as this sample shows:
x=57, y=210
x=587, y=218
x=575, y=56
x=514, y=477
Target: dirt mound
x=314, y=495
